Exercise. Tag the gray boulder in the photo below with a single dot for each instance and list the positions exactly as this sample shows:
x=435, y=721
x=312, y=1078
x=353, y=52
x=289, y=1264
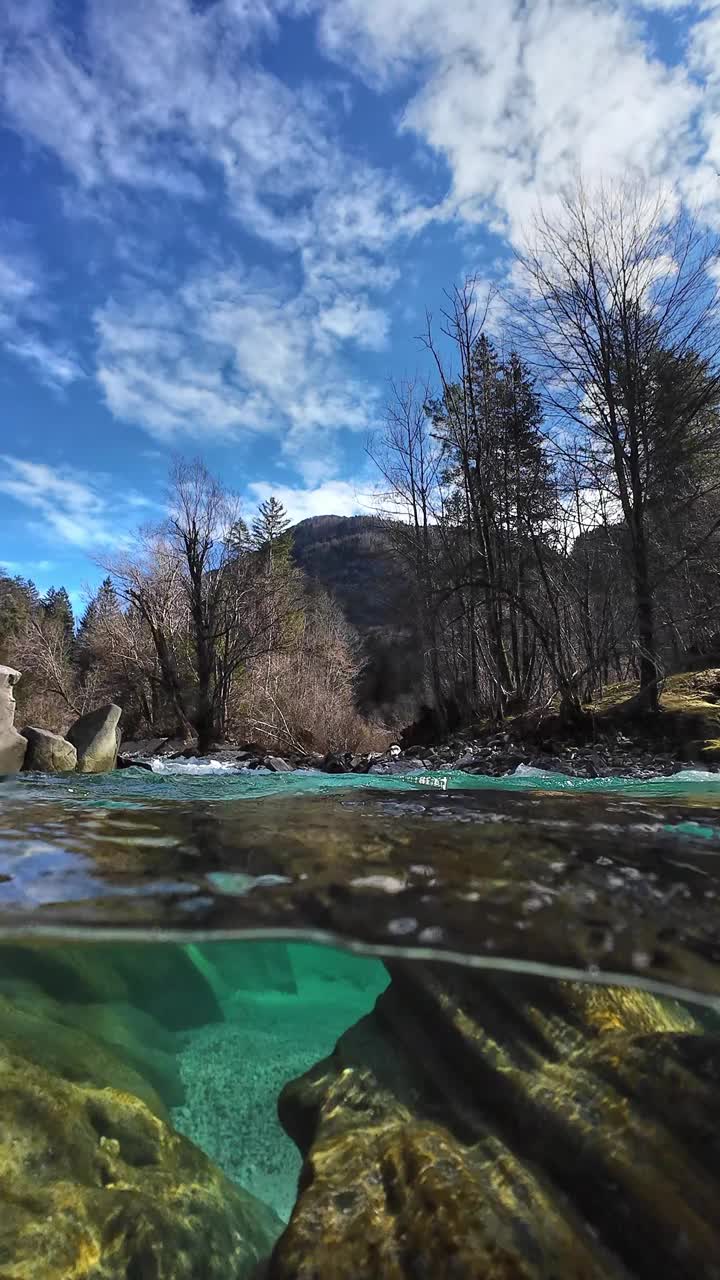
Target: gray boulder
x=96, y=738
x=48, y=752
x=277, y=764
x=12, y=743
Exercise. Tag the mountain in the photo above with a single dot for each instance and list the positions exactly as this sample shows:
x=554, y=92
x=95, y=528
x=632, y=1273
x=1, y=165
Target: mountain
x=351, y=557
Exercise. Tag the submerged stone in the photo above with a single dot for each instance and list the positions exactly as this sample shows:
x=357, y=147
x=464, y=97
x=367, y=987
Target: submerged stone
x=95, y=1186
x=503, y=1127
x=163, y=980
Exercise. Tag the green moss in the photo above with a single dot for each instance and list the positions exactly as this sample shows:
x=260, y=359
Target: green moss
x=689, y=710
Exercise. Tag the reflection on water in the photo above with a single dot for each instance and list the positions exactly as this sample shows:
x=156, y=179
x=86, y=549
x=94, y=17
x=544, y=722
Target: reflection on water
x=241, y=1102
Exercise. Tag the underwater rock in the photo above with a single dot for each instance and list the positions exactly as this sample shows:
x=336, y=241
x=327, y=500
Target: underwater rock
x=47, y=752
x=29, y=1028
x=481, y=1125
x=12, y=744
x=96, y=736
x=172, y=990
x=108, y=1035
x=95, y=1186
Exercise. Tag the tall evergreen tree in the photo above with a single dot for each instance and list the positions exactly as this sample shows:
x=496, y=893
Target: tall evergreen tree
x=59, y=612
x=270, y=529
x=19, y=598
x=103, y=605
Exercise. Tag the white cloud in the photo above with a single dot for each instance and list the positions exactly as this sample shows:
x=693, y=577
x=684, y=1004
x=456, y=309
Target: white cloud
x=519, y=98
x=233, y=352
x=26, y=314
x=334, y=497
x=166, y=96
x=74, y=507
x=25, y=568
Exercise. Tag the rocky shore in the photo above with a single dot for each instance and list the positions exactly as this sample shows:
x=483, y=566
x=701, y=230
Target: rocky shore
x=494, y=756
x=89, y=746
x=685, y=734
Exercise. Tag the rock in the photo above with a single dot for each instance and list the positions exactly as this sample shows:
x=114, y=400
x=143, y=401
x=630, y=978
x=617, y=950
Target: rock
x=30, y=1026
x=177, y=747
x=12, y=744
x=171, y=989
x=96, y=737
x=129, y=762
x=48, y=752
x=278, y=765
x=94, y=1185
x=392, y=766
x=507, y=1128
x=335, y=762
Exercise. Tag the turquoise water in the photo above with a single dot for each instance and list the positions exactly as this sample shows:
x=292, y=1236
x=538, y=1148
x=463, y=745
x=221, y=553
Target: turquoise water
x=180, y=949
x=206, y=781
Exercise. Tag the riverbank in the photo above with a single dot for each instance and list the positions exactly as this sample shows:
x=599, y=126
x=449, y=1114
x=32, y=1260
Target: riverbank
x=611, y=739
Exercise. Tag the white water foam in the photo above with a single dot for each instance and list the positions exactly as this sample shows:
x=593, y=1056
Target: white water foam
x=197, y=766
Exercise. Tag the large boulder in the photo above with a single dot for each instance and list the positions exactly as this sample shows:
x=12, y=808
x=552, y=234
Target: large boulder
x=94, y=1184
x=12, y=743
x=511, y=1129
x=47, y=752
x=96, y=738
x=160, y=979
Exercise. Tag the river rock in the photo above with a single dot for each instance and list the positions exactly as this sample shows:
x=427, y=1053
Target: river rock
x=277, y=765
x=496, y=1126
x=96, y=736
x=12, y=744
x=130, y=762
x=94, y=1184
x=30, y=1026
x=161, y=980
x=48, y=752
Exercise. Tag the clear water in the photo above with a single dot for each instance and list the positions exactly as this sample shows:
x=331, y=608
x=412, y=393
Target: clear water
x=199, y=938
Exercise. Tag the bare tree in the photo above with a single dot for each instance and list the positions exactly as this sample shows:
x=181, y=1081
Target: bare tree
x=620, y=313
x=236, y=610
x=151, y=583
x=409, y=459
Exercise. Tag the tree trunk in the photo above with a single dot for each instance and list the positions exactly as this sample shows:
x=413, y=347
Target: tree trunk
x=648, y=664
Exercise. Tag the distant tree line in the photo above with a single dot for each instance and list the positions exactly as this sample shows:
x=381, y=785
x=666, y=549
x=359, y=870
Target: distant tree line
x=206, y=631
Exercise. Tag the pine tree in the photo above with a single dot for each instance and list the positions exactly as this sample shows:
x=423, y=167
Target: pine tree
x=104, y=604
x=19, y=598
x=270, y=530
x=270, y=534
x=238, y=538
x=59, y=611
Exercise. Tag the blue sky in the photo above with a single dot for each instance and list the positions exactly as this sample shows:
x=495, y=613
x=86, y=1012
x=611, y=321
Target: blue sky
x=221, y=223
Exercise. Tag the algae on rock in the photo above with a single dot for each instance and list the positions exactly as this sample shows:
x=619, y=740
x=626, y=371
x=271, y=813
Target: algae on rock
x=507, y=1128
x=95, y=1186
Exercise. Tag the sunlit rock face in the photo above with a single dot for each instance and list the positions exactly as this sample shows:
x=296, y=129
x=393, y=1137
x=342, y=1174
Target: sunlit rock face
x=94, y=1184
x=12, y=744
x=501, y=1127
x=48, y=752
x=96, y=738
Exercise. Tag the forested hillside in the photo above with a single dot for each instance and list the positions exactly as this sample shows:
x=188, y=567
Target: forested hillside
x=353, y=558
